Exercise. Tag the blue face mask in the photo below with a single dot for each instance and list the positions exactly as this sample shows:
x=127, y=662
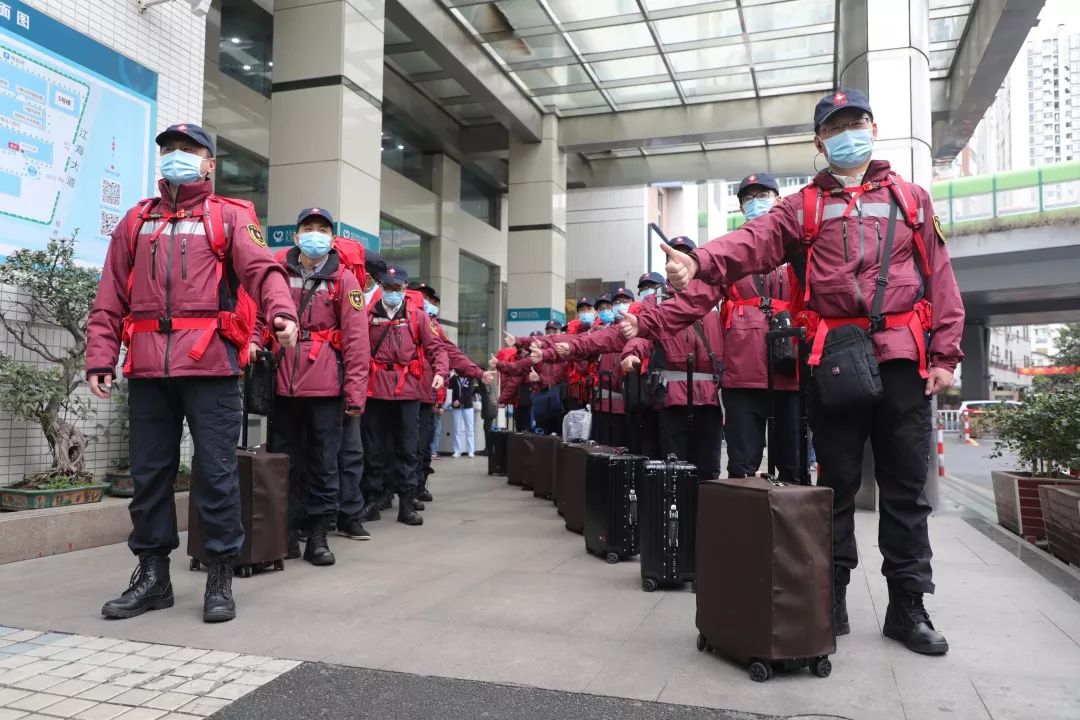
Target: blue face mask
x=430, y=309
x=849, y=149
x=315, y=244
x=587, y=318
x=393, y=298
x=622, y=309
x=180, y=168
x=607, y=316
x=646, y=292
x=756, y=207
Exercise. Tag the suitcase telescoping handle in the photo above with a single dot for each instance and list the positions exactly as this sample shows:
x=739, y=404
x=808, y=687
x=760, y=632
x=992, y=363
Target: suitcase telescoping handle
x=672, y=526
x=802, y=449
x=690, y=365
x=267, y=357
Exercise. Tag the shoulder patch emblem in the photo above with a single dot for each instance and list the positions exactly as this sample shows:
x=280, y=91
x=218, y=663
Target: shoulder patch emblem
x=256, y=235
x=937, y=227
x=436, y=329
x=356, y=299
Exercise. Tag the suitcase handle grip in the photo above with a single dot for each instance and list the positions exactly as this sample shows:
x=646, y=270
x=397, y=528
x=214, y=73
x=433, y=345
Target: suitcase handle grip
x=673, y=527
x=633, y=507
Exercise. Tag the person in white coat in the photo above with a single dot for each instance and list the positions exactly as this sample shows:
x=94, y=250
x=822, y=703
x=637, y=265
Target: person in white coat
x=462, y=395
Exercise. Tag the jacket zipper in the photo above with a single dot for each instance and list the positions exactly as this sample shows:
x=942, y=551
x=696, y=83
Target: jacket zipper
x=183, y=258
x=296, y=350
x=153, y=259
x=859, y=263
x=877, y=231
x=843, y=231
x=168, y=287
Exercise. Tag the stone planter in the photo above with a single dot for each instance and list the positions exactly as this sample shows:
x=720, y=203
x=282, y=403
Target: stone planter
x=182, y=483
x=1019, y=507
x=1061, y=511
x=25, y=499
x=120, y=483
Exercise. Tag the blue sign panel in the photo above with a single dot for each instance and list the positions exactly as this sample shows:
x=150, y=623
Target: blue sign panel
x=535, y=315
x=282, y=236
x=76, y=134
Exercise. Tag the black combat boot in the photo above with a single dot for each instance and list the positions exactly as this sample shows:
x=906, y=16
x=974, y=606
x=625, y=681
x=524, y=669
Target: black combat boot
x=317, y=549
x=424, y=495
x=149, y=589
x=407, y=511
x=417, y=503
x=907, y=621
x=292, y=549
x=370, y=513
x=352, y=528
x=218, y=604
x=839, y=608
x=385, y=500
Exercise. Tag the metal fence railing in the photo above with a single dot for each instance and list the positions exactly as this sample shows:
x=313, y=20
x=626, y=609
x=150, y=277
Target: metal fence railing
x=950, y=419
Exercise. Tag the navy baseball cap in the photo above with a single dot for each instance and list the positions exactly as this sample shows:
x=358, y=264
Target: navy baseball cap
x=374, y=264
x=682, y=243
x=193, y=132
x=536, y=333
x=758, y=180
x=651, y=277
x=553, y=325
x=623, y=292
x=314, y=212
x=840, y=99
x=394, y=275
x=605, y=298
x=585, y=301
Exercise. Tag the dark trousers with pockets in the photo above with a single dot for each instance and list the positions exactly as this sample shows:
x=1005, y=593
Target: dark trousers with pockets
x=350, y=469
x=899, y=430
x=212, y=407
x=747, y=419
x=390, y=438
x=425, y=435
x=703, y=449
x=308, y=430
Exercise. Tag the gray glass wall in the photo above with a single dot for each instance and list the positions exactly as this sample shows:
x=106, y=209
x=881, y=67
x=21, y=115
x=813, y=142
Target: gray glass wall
x=247, y=43
x=404, y=247
x=243, y=175
x=476, y=303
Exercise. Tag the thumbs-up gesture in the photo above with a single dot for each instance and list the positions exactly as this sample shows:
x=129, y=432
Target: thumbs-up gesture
x=681, y=268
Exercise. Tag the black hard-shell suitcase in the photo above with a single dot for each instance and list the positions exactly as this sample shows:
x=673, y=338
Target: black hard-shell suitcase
x=572, y=482
x=264, y=498
x=495, y=442
x=518, y=458
x=667, y=516
x=546, y=449
x=611, y=505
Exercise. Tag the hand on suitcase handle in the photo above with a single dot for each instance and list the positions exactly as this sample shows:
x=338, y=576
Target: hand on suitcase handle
x=630, y=362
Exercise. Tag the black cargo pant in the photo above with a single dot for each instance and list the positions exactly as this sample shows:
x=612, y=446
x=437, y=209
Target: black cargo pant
x=212, y=407
x=641, y=433
x=745, y=430
x=308, y=430
x=425, y=436
x=390, y=440
x=609, y=429
x=899, y=430
x=703, y=449
x=350, y=469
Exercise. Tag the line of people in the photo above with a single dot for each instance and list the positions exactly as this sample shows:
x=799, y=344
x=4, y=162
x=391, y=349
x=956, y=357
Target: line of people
x=360, y=361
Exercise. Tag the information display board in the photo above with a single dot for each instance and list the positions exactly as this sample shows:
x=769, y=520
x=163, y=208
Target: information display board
x=76, y=124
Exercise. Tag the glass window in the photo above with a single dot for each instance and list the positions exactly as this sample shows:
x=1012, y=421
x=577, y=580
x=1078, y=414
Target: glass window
x=617, y=37
x=540, y=47
x=243, y=175
x=479, y=199
x=797, y=13
x=643, y=93
x=708, y=58
x=575, y=11
x=626, y=68
x=699, y=27
x=247, y=42
x=476, y=299
x=402, y=152
x=400, y=246
x=552, y=77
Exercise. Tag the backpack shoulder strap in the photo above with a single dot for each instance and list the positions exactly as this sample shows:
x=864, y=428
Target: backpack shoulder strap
x=138, y=218
x=813, y=202
x=905, y=198
x=214, y=222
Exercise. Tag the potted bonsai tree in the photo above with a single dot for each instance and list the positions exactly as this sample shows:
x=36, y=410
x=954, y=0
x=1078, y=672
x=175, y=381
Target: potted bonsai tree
x=119, y=476
x=53, y=292
x=1043, y=433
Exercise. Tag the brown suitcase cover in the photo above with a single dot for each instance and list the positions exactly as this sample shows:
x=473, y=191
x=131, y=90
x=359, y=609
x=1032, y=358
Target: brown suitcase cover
x=764, y=569
x=264, y=503
x=545, y=459
x=572, y=483
x=519, y=459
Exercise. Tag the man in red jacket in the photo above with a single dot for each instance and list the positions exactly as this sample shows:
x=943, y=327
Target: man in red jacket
x=749, y=305
x=401, y=336
x=171, y=298
x=840, y=227
x=320, y=381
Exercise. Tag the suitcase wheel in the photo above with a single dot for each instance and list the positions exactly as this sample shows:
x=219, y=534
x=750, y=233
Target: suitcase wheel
x=244, y=571
x=649, y=585
x=702, y=643
x=194, y=565
x=760, y=672
x=613, y=557
x=279, y=564
x=821, y=666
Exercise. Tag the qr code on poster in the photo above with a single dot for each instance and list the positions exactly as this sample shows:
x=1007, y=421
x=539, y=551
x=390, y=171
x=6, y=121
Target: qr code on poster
x=109, y=221
x=110, y=192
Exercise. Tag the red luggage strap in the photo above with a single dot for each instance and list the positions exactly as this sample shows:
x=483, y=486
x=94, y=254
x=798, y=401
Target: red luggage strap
x=767, y=305
x=214, y=223
x=414, y=367
x=916, y=320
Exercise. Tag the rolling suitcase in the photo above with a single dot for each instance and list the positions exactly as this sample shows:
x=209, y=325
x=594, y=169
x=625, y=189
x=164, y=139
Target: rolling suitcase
x=518, y=458
x=264, y=503
x=545, y=460
x=496, y=451
x=572, y=483
x=611, y=505
x=667, y=516
x=764, y=572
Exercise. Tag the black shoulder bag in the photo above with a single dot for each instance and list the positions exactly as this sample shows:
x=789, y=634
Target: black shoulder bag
x=785, y=355
x=848, y=377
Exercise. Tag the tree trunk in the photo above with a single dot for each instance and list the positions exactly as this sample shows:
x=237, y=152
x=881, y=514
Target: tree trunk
x=68, y=446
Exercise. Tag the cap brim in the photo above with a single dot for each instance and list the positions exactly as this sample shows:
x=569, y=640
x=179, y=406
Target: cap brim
x=835, y=110
x=168, y=134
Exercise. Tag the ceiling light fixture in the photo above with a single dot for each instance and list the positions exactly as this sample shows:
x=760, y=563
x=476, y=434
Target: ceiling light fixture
x=247, y=67
x=236, y=41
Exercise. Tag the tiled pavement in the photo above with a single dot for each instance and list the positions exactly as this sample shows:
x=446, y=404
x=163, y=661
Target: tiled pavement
x=54, y=675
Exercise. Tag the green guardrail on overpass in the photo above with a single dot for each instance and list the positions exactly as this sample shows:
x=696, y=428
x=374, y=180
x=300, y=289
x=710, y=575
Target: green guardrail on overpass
x=1001, y=200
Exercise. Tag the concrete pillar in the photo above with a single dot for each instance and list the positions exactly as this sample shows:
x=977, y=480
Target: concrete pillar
x=975, y=379
x=326, y=115
x=883, y=49
x=536, y=264
x=445, y=251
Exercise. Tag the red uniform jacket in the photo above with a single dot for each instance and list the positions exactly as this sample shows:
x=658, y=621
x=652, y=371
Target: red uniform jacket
x=456, y=359
x=513, y=371
x=843, y=267
x=176, y=277
x=745, y=325
x=333, y=355
x=397, y=367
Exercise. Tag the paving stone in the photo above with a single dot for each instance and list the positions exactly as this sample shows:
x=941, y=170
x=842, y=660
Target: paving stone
x=141, y=713
x=50, y=638
x=71, y=688
x=32, y=702
x=44, y=651
x=41, y=666
x=71, y=670
x=159, y=666
x=9, y=695
x=192, y=670
x=135, y=696
x=187, y=654
x=156, y=651
x=217, y=657
x=170, y=701
x=232, y=691
x=247, y=662
x=255, y=678
x=104, y=711
x=12, y=714
x=10, y=662
x=69, y=707
x=128, y=662
x=133, y=679
x=74, y=640
x=101, y=644
x=101, y=693
x=73, y=654
x=102, y=658
x=102, y=674
x=20, y=648
x=37, y=682
x=22, y=635
x=221, y=674
x=196, y=687
x=278, y=666
x=129, y=647
x=165, y=682
x=204, y=706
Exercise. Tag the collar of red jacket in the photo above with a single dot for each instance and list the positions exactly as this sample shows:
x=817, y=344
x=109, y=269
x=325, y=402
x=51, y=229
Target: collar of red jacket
x=877, y=171
x=189, y=195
